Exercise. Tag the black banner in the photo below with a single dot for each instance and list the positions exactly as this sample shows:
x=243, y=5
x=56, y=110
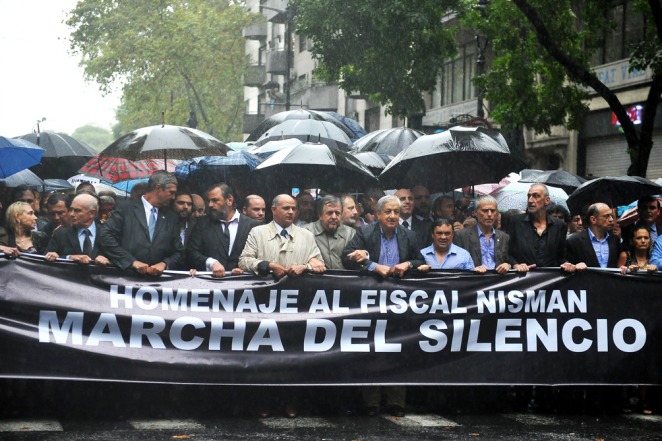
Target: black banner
x=63, y=320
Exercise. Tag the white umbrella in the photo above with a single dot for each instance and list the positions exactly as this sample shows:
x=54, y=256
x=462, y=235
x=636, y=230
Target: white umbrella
x=514, y=196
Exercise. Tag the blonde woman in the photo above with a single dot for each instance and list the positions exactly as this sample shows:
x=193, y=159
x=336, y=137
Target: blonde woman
x=21, y=221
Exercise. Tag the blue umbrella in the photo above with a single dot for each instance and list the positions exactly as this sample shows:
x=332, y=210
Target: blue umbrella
x=126, y=185
x=353, y=125
x=208, y=170
x=17, y=155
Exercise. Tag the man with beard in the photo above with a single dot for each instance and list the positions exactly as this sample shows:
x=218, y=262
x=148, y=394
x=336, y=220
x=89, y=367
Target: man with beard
x=255, y=207
x=217, y=240
x=350, y=213
x=331, y=235
x=143, y=234
x=183, y=207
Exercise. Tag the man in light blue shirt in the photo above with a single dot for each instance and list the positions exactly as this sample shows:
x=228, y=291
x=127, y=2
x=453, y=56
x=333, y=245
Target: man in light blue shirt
x=443, y=254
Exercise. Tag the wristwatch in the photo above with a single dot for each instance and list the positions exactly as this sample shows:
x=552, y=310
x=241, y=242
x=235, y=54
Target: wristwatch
x=411, y=265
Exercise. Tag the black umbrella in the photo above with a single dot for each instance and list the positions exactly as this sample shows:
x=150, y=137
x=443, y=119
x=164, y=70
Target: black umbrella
x=63, y=155
x=458, y=157
x=165, y=142
x=24, y=177
x=554, y=178
x=387, y=141
x=314, y=165
x=307, y=130
x=280, y=117
x=612, y=190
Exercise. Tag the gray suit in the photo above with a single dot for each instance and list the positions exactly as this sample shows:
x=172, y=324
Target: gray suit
x=467, y=238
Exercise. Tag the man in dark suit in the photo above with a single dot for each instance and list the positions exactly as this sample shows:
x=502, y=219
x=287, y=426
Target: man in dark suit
x=79, y=241
x=402, y=253
x=364, y=251
x=217, y=240
x=422, y=228
x=143, y=234
x=595, y=247
x=487, y=246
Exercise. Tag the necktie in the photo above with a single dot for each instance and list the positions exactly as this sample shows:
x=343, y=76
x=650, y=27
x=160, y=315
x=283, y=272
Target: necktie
x=152, y=223
x=226, y=229
x=87, y=243
x=283, y=233
x=405, y=224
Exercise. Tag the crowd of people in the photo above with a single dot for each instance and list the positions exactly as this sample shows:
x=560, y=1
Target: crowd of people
x=164, y=227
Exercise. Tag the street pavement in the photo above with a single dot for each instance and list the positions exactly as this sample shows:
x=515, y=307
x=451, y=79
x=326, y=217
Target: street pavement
x=513, y=426
x=58, y=411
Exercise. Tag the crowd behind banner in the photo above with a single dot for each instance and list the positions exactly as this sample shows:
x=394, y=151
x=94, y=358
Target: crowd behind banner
x=504, y=310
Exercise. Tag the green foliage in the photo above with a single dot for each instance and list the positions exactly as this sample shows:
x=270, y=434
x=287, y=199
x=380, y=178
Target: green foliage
x=171, y=56
x=388, y=49
x=94, y=136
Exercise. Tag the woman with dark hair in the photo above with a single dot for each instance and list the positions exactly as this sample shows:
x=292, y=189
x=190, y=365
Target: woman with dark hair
x=638, y=256
x=21, y=221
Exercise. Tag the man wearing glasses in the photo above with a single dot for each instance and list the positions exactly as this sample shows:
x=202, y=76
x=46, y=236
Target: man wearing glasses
x=595, y=247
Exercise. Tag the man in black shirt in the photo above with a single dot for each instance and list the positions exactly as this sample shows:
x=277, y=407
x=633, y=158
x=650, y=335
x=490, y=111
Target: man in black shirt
x=537, y=239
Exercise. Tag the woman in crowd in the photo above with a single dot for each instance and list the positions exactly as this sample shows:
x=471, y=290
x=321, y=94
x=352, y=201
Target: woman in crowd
x=21, y=221
x=636, y=258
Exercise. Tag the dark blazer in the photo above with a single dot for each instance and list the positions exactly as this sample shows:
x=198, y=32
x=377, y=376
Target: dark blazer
x=125, y=237
x=206, y=240
x=523, y=240
x=65, y=242
x=369, y=238
x=423, y=230
x=580, y=249
x=467, y=238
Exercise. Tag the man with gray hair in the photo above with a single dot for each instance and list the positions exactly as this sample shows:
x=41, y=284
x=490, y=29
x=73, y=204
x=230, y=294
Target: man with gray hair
x=143, y=235
x=536, y=238
x=331, y=235
x=388, y=249
x=487, y=246
x=79, y=241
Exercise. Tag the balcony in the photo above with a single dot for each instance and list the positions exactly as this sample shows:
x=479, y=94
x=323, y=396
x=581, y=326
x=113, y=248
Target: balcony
x=314, y=94
x=255, y=31
x=251, y=121
x=277, y=62
x=255, y=75
x=273, y=16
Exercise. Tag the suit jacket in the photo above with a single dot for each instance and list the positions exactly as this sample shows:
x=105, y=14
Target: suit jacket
x=369, y=238
x=580, y=249
x=125, y=237
x=65, y=242
x=523, y=240
x=206, y=240
x=468, y=239
x=423, y=230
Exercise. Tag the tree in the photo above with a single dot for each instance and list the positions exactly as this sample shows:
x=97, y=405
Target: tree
x=171, y=56
x=390, y=50
x=539, y=74
x=541, y=67
x=94, y=136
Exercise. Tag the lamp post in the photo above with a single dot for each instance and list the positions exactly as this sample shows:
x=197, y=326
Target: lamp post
x=289, y=17
x=480, y=60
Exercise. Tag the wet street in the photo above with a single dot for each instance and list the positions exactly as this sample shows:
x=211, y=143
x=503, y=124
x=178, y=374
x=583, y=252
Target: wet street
x=101, y=411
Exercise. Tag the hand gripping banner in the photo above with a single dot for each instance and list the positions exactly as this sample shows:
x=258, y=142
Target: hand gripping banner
x=63, y=320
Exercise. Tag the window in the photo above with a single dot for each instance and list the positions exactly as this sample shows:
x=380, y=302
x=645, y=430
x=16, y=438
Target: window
x=629, y=29
x=456, y=78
